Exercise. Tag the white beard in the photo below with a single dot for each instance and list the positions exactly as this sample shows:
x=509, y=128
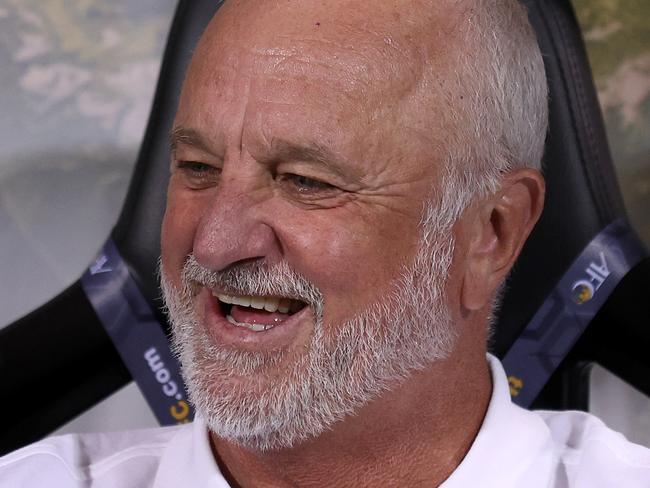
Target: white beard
x=276, y=402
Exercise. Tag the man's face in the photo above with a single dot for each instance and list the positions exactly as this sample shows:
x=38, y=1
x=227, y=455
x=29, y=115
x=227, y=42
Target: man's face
x=299, y=180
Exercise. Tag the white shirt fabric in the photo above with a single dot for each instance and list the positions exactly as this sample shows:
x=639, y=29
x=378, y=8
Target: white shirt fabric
x=514, y=448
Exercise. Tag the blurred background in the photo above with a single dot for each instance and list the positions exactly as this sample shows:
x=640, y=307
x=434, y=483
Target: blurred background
x=77, y=79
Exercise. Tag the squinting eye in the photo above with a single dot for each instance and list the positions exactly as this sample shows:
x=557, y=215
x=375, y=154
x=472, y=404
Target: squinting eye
x=303, y=184
x=194, y=166
x=198, y=175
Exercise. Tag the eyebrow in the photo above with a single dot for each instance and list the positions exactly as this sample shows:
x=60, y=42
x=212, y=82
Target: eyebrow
x=190, y=137
x=281, y=150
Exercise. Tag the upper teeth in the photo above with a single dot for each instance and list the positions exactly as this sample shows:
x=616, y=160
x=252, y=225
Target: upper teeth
x=270, y=304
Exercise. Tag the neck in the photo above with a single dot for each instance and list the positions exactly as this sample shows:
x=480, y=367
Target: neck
x=413, y=435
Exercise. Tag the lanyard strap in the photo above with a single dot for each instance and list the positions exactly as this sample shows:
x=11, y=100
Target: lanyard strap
x=569, y=308
x=137, y=335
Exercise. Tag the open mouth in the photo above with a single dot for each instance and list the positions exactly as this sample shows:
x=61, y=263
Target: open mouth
x=257, y=313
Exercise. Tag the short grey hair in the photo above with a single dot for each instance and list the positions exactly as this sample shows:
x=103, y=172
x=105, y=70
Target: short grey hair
x=497, y=118
x=498, y=100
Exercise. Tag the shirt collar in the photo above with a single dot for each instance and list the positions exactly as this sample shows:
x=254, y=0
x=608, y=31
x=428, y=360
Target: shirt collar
x=513, y=447
x=188, y=460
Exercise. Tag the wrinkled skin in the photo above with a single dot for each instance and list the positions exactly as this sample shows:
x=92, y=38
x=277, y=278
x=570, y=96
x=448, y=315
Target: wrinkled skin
x=321, y=136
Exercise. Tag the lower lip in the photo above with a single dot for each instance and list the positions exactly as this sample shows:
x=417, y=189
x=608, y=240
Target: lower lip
x=292, y=331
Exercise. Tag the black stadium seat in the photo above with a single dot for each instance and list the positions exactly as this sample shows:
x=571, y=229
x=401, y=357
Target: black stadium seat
x=582, y=198
x=58, y=361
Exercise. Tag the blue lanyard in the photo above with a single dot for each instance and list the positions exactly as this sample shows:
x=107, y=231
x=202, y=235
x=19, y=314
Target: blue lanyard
x=569, y=308
x=137, y=335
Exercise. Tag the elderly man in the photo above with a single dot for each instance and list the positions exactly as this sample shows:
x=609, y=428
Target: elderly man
x=350, y=184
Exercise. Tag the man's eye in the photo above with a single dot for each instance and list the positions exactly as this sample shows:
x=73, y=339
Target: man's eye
x=194, y=167
x=305, y=185
x=199, y=175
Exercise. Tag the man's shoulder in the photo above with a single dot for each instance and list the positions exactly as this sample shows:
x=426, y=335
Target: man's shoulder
x=591, y=454
x=80, y=459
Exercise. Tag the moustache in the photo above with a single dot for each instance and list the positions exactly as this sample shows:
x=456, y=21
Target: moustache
x=257, y=278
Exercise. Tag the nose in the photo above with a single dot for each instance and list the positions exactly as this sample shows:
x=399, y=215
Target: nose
x=232, y=228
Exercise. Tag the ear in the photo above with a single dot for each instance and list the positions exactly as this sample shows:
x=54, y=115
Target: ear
x=496, y=232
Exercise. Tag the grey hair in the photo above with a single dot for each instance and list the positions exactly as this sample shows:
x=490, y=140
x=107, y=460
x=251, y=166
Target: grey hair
x=498, y=99
x=498, y=117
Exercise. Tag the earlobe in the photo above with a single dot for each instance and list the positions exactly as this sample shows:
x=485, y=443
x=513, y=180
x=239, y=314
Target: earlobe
x=497, y=232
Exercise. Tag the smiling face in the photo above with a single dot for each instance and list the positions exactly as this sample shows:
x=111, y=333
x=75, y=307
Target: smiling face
x=292, y=233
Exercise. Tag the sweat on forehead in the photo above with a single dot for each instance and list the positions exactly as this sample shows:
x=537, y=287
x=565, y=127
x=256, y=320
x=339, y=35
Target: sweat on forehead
x=334, y=64
x=356, y=42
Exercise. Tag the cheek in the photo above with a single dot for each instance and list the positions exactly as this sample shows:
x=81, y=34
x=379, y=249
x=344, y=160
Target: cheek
x=352, y=261
x=177, y=235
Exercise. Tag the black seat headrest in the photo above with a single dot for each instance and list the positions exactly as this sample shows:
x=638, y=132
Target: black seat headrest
x=582, y=191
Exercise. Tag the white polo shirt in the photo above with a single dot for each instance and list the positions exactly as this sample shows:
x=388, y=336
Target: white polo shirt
x=514, y=448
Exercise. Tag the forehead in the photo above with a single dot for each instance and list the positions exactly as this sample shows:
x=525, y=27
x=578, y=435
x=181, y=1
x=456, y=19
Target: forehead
x=307, y=66
x=347, y=54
